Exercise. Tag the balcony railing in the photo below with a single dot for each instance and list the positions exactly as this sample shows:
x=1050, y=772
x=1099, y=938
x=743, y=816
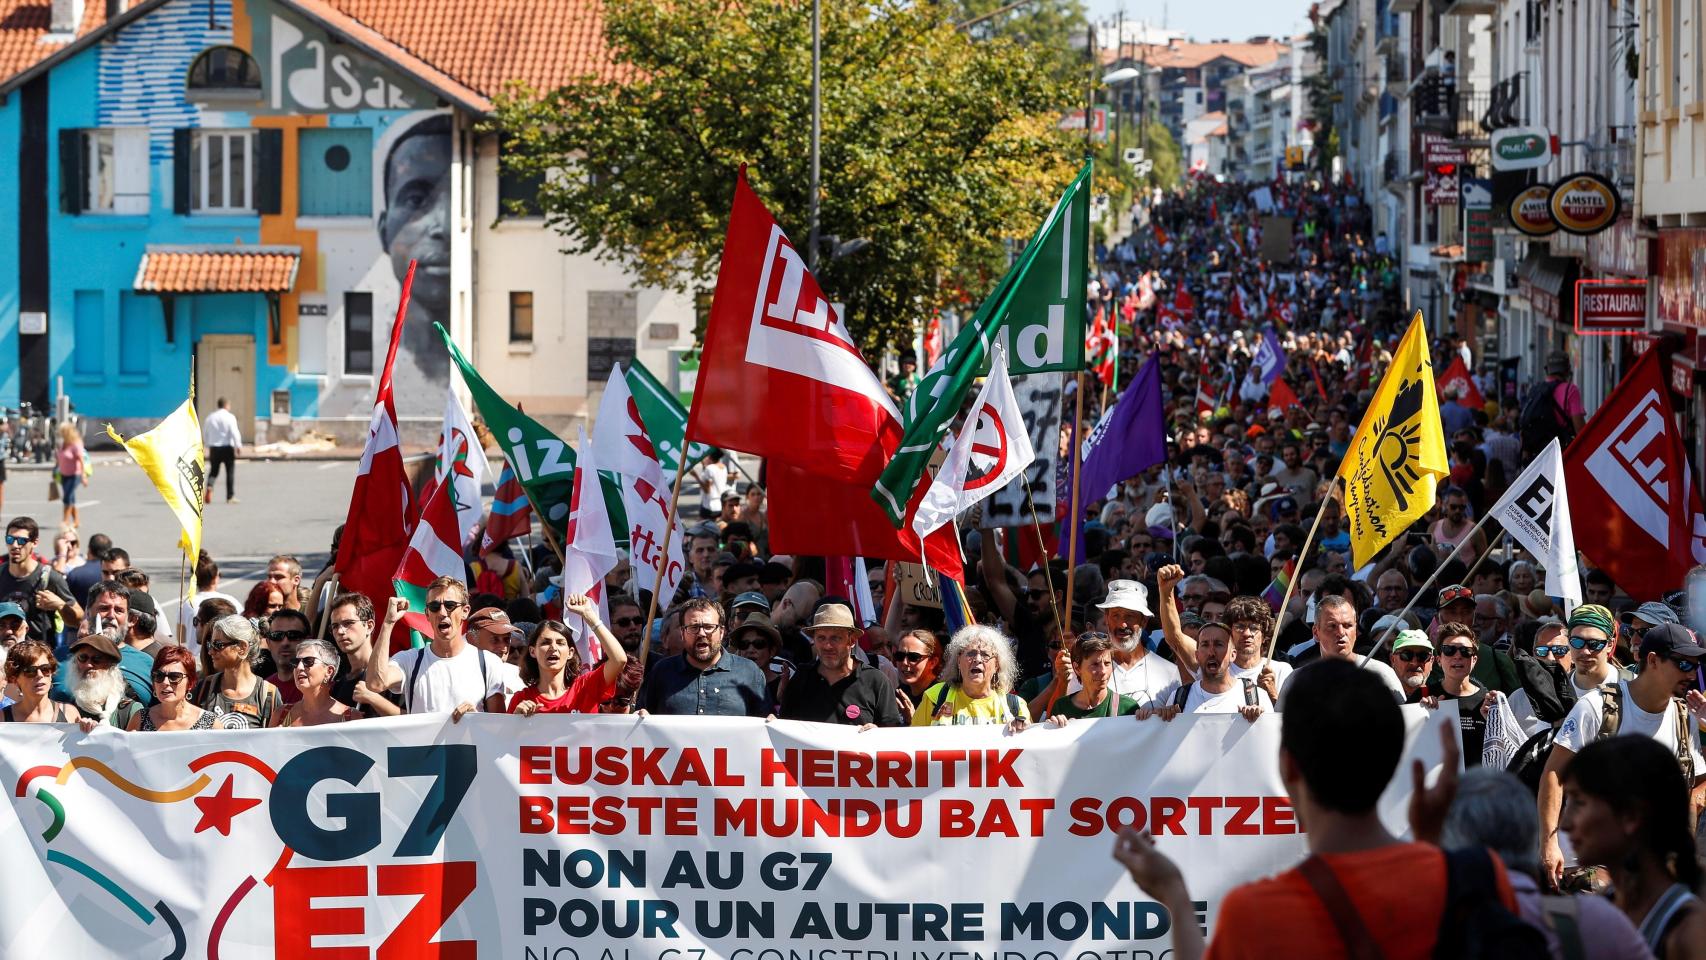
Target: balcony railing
x=1437, y=106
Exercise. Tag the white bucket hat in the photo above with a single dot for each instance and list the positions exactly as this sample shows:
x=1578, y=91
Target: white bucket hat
x=1127, y=595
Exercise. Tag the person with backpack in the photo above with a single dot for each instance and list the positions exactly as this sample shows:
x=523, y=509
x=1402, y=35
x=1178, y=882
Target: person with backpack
x=1649, y=705
x=37, y=588
x=1362, y=892
x=1552, y=410
x=978, y=674
x=1215, y=690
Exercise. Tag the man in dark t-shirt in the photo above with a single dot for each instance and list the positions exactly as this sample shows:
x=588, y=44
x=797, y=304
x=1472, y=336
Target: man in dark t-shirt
x=839, y=688
x=39, y=589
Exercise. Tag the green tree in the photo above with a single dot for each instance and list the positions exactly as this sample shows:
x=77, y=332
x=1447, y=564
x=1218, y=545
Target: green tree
x=1053, y=29
x=937, y=148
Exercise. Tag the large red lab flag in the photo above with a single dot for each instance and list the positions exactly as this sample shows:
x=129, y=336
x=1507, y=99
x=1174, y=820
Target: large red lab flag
x=1457, y=375
x=1633, y=503
x=381, y=507
x=781, y=378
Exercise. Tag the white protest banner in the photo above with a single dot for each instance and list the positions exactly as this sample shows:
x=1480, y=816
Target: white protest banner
x=659, y=838
x=1039, y=399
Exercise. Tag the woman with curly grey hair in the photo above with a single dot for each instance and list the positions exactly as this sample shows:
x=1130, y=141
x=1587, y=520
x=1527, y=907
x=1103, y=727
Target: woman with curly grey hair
x=978, y=673
x=234, y=694
x=315, y=668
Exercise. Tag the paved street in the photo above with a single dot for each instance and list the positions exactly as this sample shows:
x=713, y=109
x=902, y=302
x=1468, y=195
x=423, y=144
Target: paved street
x=285, y=506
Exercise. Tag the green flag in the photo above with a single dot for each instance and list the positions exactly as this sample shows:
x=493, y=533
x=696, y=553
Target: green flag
x=664, y=416
x=1037, y=311
x=543, y=462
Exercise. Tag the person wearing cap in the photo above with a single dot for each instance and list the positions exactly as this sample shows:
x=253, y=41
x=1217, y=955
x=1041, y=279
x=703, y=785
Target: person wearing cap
x=1138, y=673
x=490, y=629
x=556, y=680
x=740, y=577
x=1639, y=621
x=1456, y=605
x=758, y=640
x=99, y=690
x=704, y=679
x=839, y=687
x=745, y=605
x=14, y=628
x=773, y=580
x=1650, y=705
x=1412, y=658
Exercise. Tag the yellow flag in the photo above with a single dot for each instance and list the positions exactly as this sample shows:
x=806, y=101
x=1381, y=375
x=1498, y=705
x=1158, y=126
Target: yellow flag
x=172, y=456
x=1398, y=453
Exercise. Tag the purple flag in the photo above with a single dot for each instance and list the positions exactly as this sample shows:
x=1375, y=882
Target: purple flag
x=1269, y=361
x=1129, y=440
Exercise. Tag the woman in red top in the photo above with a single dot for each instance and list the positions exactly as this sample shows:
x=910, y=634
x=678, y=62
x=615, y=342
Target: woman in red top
x=552, y=667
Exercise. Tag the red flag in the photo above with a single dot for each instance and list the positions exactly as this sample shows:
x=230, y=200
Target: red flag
x=1633, y=502
x=1205, y=398
x=1184, y=304
x=1099, y=347
x=1315, y=373
x=933, y=341
x=511, y=516
x=1235, y=305
x=1281, y=396
x=1160, y=235
x=780, y=378
x=1365, y=363
x=1458, y=373
x=381, y=507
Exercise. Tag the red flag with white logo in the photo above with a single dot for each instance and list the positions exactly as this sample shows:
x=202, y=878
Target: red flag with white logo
x=1633, y=504
x=1457, y=376
x=1205, y=394
x=780, y=378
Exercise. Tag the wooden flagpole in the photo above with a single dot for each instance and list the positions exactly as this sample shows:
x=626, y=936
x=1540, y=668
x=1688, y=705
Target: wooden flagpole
x=1297, y=572
x=1417, y=595
x=1077, y=467
x=663, y=552
x=1047, y=574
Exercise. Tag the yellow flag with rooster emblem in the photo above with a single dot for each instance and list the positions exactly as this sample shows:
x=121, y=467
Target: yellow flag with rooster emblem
x=1398, y=453
x=171, y=454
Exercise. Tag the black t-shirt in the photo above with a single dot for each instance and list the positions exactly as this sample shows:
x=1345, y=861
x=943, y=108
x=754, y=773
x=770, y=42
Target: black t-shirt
x=343, y=688
x=1470, y=721
x=82, y=579
x=864, y=696
x=23, y=593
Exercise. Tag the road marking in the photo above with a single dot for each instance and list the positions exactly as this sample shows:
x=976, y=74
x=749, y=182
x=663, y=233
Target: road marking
x=48, y=503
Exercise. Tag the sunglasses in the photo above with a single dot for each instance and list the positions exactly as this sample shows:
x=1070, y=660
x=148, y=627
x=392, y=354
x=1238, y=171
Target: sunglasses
x=38, y=670
x=1592, y=646
x=1454, y=650
x=749, y=645
x=448, y=606
x=1414, y=656
x=1686, y=666
x=279, y=636
x=629, y=621
x=95, y=659
x=308, y=663
x=1551, y=650
x=171, y=678
x=12, y=541
x=224, y=644
x=907, y=656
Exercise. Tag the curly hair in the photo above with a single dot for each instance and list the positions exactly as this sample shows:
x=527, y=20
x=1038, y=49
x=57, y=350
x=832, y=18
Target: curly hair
x=1250, y=610
x=990, y=640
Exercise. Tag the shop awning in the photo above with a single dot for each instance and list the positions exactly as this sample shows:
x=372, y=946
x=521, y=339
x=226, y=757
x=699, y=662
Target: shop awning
x=233, y=268
x=1544, y=272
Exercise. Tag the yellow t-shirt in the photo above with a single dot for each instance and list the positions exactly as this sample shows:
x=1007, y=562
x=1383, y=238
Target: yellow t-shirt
x=959, y=709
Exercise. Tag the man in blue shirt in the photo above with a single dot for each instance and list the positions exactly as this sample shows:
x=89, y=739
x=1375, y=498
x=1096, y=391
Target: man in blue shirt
x=704, y=679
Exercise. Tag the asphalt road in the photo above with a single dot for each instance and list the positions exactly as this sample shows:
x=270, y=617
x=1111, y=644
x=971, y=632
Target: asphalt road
x=284, y=506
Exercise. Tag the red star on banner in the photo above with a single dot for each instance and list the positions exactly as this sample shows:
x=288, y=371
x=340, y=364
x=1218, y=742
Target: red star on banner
x=219, y=810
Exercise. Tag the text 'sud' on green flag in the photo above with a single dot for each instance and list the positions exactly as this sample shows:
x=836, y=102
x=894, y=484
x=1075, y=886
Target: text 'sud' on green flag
x=1036, y=311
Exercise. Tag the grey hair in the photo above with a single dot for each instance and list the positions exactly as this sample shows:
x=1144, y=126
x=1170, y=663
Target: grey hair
x=1498, y=603
x=1493, y=809
x=328, y=653
x=1522, y=565
x=1333, y=601
x=978, y=636
x=235, y=626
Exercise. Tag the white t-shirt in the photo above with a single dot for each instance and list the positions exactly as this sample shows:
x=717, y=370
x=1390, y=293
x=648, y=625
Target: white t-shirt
x=1280, y=668
x=1373, y=666
x=511, y=678
x=186, y=615
x=1200, y=700
x=715, y=476
x=1581, y=727
x=444, y=683
x=1143, y=681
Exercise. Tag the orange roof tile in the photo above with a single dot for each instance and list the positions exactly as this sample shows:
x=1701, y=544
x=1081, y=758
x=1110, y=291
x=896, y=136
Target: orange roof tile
x=235, y=269
x=1185, y=55
x=24, y=24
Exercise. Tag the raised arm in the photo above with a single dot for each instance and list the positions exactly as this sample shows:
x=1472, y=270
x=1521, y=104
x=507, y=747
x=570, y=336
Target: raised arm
x=994, y=568
x=615, y=658
x=1167, y=600
x=380, y=670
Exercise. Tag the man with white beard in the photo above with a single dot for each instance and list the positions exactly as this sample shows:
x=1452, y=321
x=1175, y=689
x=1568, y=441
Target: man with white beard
x=98, y=688
x=1138, y=673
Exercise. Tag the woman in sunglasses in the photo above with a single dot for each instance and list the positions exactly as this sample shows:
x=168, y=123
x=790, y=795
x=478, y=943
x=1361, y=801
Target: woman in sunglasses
x=234, y=694
x=314, y=669
x=917, y=660
x=31, y=666
x=758, y=640
x=173, y=675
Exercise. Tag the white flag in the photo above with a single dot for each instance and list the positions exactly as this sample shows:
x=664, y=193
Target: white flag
x=590, y=550
x=463, y=460
x=992, y=448
x=1535, y=511
x=621, y=443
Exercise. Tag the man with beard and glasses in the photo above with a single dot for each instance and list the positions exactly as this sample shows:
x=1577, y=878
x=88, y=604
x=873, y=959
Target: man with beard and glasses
x=1412, y=660
x=704, y=679
x=1215, y=690
x=98, y=688
x=109, y=610
x=1138, y=673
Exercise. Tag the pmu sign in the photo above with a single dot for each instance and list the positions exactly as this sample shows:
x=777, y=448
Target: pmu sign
x=1611, y=308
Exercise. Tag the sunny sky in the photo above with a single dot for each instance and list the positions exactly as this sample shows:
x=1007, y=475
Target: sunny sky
x=1212, y=19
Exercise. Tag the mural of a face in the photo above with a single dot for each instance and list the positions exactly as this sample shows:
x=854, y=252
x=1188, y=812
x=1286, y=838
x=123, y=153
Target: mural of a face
x=415, y=225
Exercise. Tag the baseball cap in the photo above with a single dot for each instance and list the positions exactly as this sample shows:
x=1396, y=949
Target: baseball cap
x=1412, y=639
x=1671, y=640
x=11, y=610
x=493, y=619
x=140, y=601
x=1453, y=594
x=752, y=598
x=1652, y=612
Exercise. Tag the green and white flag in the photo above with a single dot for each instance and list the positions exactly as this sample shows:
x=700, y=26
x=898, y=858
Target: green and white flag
x=1036, y=311
x=664, y=416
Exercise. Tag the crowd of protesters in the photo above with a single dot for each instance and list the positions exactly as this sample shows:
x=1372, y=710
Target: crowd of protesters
x=1580, y=729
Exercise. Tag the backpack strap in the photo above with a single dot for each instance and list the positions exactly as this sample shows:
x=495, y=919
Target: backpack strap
x=414, y=674
x=480, y=704
x=1182, y=694
x=1562, y=917
x=1684, y=740
x=1016, y=706
x=1353, y=932
x=1610, y=709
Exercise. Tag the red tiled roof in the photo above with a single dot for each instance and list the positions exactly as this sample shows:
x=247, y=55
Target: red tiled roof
x=218, y=269
x=1184, y=55
x=486, y=44
x=24, y=24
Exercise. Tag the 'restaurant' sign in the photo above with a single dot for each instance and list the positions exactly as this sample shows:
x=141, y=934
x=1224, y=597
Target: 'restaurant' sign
x=1610, y=307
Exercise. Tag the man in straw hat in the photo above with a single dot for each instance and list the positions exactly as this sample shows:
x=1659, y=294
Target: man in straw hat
x=839, y=688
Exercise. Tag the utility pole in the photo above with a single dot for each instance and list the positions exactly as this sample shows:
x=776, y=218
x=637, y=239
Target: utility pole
x=1119, y=95
x=1089, y=89
x=817, y=136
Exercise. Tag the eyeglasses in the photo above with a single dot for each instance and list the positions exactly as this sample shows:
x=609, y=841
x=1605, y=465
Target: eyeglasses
x=1551, y=650
x=1414, y=656
x=1454, y=650
x=308, y=663
x=629, y=621
x=1055, y=644
x=279, y=636
x=448, y=606
x=1592, y=646
x=38, y=670
x=12, y=541
x=702, y=629
x=170, y=678
x=1686, y=666
x=95, y=660
x=976, y=655
x=907, y=656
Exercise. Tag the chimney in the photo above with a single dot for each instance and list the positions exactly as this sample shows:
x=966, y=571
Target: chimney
x=114, y=8
x=67, y=17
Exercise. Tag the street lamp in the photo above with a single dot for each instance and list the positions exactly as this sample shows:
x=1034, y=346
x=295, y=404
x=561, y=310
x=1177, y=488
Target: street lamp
x=1109, y=79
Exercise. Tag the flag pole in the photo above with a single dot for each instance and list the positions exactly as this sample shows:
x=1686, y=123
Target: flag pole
x=1077, y=465
x=1430, y=581
x=1279, y=618
x=1038, y=526
x=663, y=552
